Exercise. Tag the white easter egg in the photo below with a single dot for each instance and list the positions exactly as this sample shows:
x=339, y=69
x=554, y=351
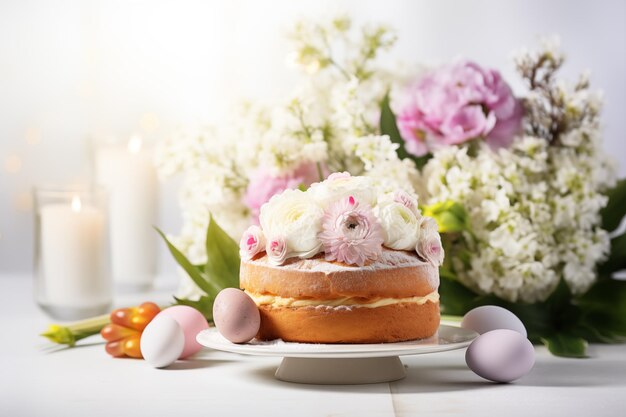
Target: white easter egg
x=162, y=341
x=484, y=319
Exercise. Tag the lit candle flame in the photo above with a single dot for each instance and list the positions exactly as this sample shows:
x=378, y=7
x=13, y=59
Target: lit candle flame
x=76, y=204
x=134, y=144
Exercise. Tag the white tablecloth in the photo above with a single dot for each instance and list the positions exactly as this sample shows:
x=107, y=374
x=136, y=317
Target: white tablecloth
x=39, y=379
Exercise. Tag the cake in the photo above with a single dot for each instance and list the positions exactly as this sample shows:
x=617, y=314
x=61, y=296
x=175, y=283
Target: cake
x=350, y=260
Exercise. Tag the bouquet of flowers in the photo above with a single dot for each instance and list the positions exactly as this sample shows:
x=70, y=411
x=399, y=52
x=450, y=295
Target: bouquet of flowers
x=523, y=195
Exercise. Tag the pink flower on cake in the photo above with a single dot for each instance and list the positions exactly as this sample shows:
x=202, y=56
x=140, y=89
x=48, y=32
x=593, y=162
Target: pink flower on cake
x=252, y=242
x=263, y=185
x=457, y=103
x=277, y=250
x=350, y=233
x=407, y=200
x=429, y=244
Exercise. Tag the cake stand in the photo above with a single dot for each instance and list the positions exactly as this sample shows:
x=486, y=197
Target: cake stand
x=310, y=363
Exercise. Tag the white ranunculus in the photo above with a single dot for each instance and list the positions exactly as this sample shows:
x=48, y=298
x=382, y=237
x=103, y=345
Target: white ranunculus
x=363, y=189
x=297, y=218
x=400, y=224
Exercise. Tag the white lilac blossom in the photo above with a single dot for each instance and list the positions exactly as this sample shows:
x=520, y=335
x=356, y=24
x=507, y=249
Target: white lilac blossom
x=533, y=211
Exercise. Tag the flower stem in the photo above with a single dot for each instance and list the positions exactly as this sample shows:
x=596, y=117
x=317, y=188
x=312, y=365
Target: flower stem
x=72, y=333
x=320, y=173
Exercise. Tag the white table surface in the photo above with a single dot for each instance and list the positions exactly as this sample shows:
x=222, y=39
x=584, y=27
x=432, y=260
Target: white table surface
x=37, y=379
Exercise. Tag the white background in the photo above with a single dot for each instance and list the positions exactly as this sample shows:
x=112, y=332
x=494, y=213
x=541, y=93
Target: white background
x=71, y=69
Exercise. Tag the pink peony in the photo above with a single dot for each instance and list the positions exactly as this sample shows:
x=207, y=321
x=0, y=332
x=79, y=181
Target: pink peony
x=350, y=233
x=252, y=242
x=457, y=103
x=263, y=185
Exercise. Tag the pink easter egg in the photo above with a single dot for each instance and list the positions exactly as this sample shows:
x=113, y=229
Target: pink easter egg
x=192, y=322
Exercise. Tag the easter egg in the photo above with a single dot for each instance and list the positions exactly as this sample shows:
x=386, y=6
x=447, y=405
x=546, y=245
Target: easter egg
x=191, y=322
x=236, y=316
x=486, y=318
x=162, y=341
x=500, y=355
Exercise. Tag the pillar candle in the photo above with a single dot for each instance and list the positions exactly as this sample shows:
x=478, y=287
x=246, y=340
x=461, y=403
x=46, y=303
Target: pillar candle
x=130, y=178
x=73, y=255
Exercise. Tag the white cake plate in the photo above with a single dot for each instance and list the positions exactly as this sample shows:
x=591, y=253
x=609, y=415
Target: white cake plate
x=310, y=363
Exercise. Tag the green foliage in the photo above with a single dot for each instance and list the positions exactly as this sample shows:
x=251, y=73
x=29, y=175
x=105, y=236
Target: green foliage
x=563, y=344
x=222, y=265
x=220, y=271
x=615, y=210
x=563, y=322
x=204, y=304
x=617, y=258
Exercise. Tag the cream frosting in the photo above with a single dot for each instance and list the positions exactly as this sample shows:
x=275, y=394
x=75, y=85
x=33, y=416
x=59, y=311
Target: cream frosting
x=277, y=301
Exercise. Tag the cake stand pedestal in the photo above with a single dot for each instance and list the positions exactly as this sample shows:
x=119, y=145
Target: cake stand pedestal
x=341, y=371
x=311, y=363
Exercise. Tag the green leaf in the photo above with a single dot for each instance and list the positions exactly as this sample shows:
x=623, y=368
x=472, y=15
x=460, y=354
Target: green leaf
x=603, y=310
x=562, y=344
x=203, y=305
x=455, y=297
x=450, y=216
x=615, y=209
x=194, y=272
x=223, y=261
x=617, y=258
x=389, y=127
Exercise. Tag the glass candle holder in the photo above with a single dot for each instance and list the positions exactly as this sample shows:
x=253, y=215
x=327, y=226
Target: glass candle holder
x=71, y=252
x=127, y=171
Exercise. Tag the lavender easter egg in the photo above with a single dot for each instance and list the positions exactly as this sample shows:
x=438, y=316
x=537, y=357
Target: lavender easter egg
x=500, y=355
x=484, y=319
x=236, y=316
x=192, y=322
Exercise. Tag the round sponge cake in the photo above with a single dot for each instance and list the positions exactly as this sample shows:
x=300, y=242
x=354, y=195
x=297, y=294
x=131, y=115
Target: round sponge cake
x=313, y=300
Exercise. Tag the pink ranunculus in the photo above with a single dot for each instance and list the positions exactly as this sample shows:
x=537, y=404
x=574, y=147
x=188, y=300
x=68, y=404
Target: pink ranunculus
x=457, y=103
x=252, y=242
x=407, y=200
x=350, y=233
x=429, y=246
x=277, y=250
x=263, y=185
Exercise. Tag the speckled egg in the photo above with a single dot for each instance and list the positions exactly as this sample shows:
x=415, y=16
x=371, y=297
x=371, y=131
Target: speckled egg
x=192, y=322
x=236, y=316
x=484, y=319
x=162, y=341
x=500, y=355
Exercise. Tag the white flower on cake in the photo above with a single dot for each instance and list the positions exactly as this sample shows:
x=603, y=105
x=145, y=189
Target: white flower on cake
x=294, y=216
x=408, y=200
x=400, y=223
x=429, y=244
x=342, y=184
